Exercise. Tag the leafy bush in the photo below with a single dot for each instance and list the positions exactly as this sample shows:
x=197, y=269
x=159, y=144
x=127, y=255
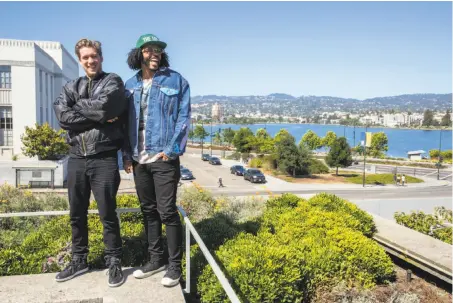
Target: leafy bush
x=198, y=203
x=48, y=248
x=332, y=203
x=44, y=141
x=301, y=245
x=423, y=223
x=446, y=155
x=256, y=162
x=317, y=167
x=234, y=156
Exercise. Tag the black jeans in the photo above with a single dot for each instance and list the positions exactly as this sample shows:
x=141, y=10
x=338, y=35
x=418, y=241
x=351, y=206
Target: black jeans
x=156, y=184
x=99, y=174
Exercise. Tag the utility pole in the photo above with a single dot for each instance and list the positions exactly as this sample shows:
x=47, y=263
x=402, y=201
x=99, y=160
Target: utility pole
x=202, y=138
x=439, y=157
x=364, y=156
x=210, y=135
x=354, y=134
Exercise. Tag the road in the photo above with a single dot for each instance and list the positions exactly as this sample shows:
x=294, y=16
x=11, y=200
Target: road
x=383, y=202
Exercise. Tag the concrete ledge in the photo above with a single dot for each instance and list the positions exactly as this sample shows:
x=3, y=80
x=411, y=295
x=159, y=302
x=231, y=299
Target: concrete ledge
x=428, y=253
x=88, y=288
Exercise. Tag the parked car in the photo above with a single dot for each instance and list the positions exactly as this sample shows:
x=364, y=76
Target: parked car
x=205, y=157
x=238, y=170
x=254, y=175
x=214, y=161
x=186, y=174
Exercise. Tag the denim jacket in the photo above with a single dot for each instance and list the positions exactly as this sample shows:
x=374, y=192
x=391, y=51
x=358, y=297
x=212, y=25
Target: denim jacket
x=168, y=118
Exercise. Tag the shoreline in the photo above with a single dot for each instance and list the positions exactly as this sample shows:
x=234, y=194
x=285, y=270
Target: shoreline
x=348, y=126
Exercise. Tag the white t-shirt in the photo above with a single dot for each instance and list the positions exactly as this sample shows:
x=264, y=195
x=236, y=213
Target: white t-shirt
x=143, y=156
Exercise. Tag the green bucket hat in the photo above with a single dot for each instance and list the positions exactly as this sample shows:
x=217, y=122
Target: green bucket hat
x=150, y=39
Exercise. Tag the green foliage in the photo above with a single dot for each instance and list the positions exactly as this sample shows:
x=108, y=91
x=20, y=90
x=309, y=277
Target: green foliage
x=46, y=247
x=301, y=246
x=243, y=140
x=287, y=155
x=339, y=154
x=311, y=140
x=44, y=141
x=198, y=203
x=379, y=179
x=423, y=223
x=428, y=118
x=200, y=132
x=256, y=162
x=333, y=203
x=329, y=139
x=446, y=119
x=228, y=135
x=281, y=134
x=434, y=153
x=379, y=145
x=317, y=167
x=446, y=155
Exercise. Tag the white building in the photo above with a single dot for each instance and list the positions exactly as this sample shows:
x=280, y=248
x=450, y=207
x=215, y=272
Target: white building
x=217, y=112
x=32, y=74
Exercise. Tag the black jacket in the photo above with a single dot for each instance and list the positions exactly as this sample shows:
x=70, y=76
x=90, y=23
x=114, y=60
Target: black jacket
x=83, y=109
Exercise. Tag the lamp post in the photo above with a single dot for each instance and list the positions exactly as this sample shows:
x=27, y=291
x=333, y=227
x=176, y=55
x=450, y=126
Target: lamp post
x=210, y=136
x=364, y=156
x=439, y=157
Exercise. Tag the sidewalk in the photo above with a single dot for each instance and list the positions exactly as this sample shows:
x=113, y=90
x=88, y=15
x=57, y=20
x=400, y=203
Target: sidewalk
x=90, y=287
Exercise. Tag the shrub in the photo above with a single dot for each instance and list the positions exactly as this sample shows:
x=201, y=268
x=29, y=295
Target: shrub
x=234, y=156
x=317, y=167
x=379, y=179
x=256, y=162
x=44, y=141
x=261, y=270
x=48, y=247
x=422, y=222
x=332, y=203
x=446, y=155
x=198, y=203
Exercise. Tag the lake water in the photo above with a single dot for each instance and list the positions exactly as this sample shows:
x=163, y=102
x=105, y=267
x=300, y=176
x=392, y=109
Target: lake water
x=400, y=141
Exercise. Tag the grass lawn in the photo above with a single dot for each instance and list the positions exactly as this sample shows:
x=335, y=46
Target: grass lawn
x=379, y=179
x=343, y=177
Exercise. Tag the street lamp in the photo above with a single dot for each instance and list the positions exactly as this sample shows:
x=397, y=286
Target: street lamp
x=210, y=136
x=439, y=157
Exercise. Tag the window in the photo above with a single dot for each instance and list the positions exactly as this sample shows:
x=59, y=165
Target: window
x=5, y=76
x=36, y=174
x=6, y=118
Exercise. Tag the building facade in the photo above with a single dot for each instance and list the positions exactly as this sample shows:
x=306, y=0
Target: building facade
x=32, y=74
x=217, y=112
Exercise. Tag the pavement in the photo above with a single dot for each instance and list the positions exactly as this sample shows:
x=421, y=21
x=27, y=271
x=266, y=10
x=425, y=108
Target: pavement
x=88, y=288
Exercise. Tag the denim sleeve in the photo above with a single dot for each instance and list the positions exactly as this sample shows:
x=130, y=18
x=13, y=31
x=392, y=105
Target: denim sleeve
x=178, y=142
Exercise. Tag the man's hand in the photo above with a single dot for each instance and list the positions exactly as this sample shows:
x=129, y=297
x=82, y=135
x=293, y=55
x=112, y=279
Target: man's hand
x=127, y=166
x=112, y=120
x=163, y=156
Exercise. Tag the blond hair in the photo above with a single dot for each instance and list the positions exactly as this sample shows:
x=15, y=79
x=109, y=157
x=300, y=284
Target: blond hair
x=88, y=43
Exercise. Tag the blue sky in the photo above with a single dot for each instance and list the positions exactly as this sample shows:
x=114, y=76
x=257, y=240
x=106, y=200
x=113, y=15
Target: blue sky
x=345, y=49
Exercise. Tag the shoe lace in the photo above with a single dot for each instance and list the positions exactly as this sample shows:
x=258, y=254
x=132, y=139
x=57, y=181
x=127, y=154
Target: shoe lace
x=114, y=267
x=173, y=268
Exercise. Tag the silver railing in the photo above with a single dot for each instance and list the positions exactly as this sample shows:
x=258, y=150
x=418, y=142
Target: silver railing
x=189, y=229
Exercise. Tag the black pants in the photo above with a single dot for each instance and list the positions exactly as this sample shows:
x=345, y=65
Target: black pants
x=99, y=174
x=156, y=184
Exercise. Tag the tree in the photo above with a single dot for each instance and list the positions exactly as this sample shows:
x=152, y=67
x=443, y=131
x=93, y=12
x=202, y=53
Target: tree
x=200, y=133
x=264, y=142
x=287, y=155
x=228, y=135
x=428, y=118
x=311, y=140
x=243, y=139
x=45, y=142
x=379, y=144
x=339, y=154
x=217, y=138
x=191, y=135
x=329, y=139
x=446, y=120
x=282, y=134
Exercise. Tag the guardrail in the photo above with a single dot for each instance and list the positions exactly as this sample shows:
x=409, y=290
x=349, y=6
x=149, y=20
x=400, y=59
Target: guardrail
x=189, y=230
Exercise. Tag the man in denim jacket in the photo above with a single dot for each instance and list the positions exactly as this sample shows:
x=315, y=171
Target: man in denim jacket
x=158, y=127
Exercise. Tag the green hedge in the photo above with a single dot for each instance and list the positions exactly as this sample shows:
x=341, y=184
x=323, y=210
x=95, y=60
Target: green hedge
x=301, y=246
x=422, y=222
x=47, y=249
x=317, y=167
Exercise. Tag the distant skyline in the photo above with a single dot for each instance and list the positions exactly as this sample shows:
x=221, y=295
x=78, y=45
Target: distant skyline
x=354, y=50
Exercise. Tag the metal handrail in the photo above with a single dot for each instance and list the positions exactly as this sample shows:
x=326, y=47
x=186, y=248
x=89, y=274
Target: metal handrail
x=190, y=229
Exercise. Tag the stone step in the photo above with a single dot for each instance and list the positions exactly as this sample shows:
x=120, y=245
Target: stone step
x=91, y=287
